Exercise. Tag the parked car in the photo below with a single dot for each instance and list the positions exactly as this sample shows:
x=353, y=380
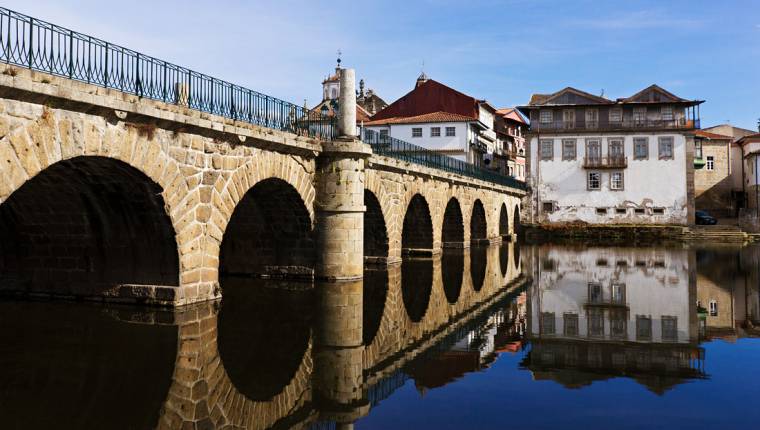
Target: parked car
x=704, y=218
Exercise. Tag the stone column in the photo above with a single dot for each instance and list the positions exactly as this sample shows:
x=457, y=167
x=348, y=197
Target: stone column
x=339, y=202
x=338, y=364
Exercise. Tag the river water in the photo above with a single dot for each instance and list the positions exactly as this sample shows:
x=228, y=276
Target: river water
x=504, y=336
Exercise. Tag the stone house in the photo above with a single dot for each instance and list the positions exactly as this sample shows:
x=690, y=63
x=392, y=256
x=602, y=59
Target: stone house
x=593, y=160
x=750, y=146
x=713, y=182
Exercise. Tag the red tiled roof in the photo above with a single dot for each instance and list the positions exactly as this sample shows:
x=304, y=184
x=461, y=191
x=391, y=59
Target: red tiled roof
x=510, y=113
x=428, y=117
x=709, y=135
x=753, y=137
x=429, y=97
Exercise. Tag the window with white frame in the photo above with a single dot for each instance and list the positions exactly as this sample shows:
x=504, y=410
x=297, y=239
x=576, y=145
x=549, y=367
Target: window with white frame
x=713, y=308
x=665, y=144
x=710, y=162
x=451, y=131
x=435, y=131
x=568, y=149
x=616, y=115
x=640, y=148
x=568, y=118
x=547, y=149
x=592, y=118
x=666, y=113
x=417, y=132
x=639, y=115
x=616, y=181
x=615, y=148
x=546, y=116
x=594, y=181
x=593, y=149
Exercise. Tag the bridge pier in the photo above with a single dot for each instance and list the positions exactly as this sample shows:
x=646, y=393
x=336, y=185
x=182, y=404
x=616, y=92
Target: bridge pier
x=339, y=202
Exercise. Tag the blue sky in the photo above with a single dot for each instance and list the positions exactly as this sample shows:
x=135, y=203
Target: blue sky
x=502, y=51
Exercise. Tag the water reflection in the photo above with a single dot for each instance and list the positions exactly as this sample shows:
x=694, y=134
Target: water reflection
x=290, y=355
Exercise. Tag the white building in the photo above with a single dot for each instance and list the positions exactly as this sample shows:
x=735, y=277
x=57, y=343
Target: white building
x=599, y=161
x=444, y=120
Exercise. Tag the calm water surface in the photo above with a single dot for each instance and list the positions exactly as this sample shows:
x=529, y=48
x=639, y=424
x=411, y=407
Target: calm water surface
x=533, y=337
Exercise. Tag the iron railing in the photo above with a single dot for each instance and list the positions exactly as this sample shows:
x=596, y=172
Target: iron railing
x=39, y=45
x=399, y=149
x=611, y=162
x=626, y=124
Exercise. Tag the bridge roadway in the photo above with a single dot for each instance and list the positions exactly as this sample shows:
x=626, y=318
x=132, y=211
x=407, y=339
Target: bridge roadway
x=105, y=195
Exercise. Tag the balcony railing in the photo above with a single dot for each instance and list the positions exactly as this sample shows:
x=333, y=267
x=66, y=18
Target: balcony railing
x=627, y=124
x=39, y=45
x=614, y=162
x=399, y=149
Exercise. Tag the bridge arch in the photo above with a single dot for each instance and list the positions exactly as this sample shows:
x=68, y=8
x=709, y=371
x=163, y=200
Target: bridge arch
x=376, y=244
x=269, y=233
x=417, y=233
x=48, y=148
x=478, y=225
x=503, y=221
x=516, y=226
x=452, y=231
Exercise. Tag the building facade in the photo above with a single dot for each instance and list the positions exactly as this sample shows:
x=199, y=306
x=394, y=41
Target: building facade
x=443, y=120
x=750, y=148
x=593, y=160
x=713, y=182
x=510, y=134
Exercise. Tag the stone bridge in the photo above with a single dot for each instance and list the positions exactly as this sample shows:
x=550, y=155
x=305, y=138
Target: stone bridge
x=105, y=195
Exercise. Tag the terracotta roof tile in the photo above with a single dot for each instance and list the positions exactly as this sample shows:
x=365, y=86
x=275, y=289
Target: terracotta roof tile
x=715, y=136
x=428, y=117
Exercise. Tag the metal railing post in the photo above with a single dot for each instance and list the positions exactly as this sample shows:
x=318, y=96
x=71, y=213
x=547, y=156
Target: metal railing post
x=31, y=41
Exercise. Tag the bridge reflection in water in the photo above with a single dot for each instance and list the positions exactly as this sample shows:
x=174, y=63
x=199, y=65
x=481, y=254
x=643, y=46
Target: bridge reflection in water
x=298, y=355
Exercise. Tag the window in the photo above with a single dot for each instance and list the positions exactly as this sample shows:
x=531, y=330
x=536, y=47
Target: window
x=547, y=323
x=595, y=292
x=593, y=149
x=546, y=117
x=639, y=211
x=615, y=148
x=616, y=181
x=571, y=324
x=548, y=207
x=592, y=118
x=710, y=162
x=618, y=293
x=665, y=145
x=639, y=115
x=368, y=135
x=669, y=328
x=618, y=324
x=594, y=181
x=568, y=118
x=621, y=211
x=451, y=131
x=596, y=322
x=640, y=148
x=616, y=115
x=666, y=113
x=601, y=211
x=548, y=265
x=547, y=149
x=698, y=148
x=383, y=135
x=435, y=131
x=643, y=327
x=568, y=149
x=602, y=262
x=658, y=211
x=417, y=132
x=713, y=308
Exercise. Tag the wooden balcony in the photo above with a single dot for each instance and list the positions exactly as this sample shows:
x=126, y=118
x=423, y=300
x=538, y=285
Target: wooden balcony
x=615, y=162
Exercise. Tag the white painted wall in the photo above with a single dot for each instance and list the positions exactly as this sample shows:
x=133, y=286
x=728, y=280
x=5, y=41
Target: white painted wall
x=456, y=143
x=653, y=290
x=648, y=183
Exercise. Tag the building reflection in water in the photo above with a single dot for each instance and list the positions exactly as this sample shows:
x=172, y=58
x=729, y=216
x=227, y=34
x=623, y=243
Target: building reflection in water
x=607, y=312
x=298, y=355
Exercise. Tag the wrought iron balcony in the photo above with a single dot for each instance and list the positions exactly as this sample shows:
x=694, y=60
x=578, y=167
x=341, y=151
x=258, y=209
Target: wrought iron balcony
x=614, y=162
x=626, y=124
